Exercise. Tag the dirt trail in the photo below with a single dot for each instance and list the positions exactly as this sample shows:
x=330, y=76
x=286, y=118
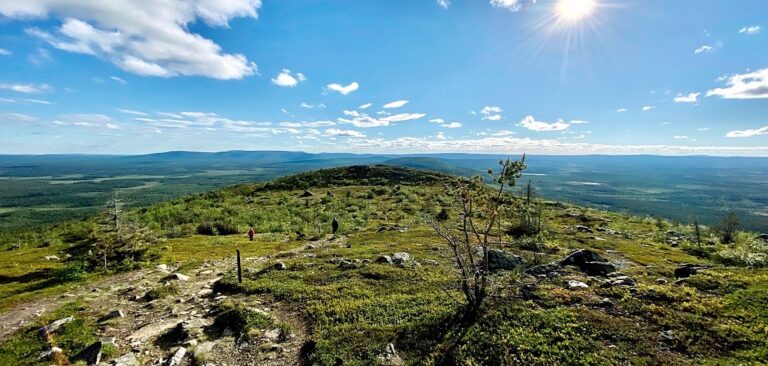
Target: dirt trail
x=140, y=331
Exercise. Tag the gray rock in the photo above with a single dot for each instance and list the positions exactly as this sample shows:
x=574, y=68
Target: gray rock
x=178, y=356
x=763, y=237
x=50, y=328
x=400, y=259
x=162, y=267
x=687, y=270
x=91, y=355
x=389, y=357
x=128, y=359
x=114, y=314
x=606, y=303
x=431, y=262
x=280, y=266
x=179, y=277
x=49, y=354
x=384, y=259
x=51, y=258
x=544, y=269
x=574, y=285
x=583, y=229
x=580, y=257
x=346, y=264
x=501, y=260
x=661, y=281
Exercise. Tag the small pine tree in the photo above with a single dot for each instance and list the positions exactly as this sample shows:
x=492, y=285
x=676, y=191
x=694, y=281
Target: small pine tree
x=728, y=228
x=697, y=232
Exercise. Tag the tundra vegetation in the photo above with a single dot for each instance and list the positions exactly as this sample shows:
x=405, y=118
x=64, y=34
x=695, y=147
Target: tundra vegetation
x=561, y=284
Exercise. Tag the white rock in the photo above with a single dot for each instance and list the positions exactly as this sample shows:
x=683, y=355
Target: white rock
x=572, y=285
x=177, y=357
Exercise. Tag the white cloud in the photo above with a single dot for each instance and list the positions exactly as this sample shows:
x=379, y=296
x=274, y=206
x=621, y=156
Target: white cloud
x=149, y=40
x=648, y=108
x=491, y=113
x=343, y=90
x=133, y=112
x=681, y=137
x=504, y=133
x=351, y=113
x=312, y=106
x=39, y=57
x=579, y=122
x=437, y=120
x=512, y=5
x=7, y=100
x=26, y=88
x=17, y=117
x=621, y=110
x=704, y=49
x=4, y=52
x=690, y=98
x=451, y=125
x=751, y=29
x=514, y=145
x=532, y=124
x=37, y=101
x=752, y=85
x=702, y=129
x=748, y=133
x=119, y=80
x=363, y=120
x=395, y=104
x=440, y=136
x=345, y=133
x=308, y=124
x=365, y=106
x=444, y=3
x=88, y=121
x=284, y=78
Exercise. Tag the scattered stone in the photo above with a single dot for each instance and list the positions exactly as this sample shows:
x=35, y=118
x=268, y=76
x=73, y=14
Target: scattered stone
x=309, y=247
x=128, y=359
x=306, y=194
x=501, y=260
x=573, y=285
x=384, y=259
x=114, y=314
x=606, y=303
x=51, y=258
x=152, y=330
x=389, y=357
x=661, y=281
x=91, y=355
x=177, y=357
x=280, y=266
x=763, y=237
x=619, y=281
x=205, y=273
x=162, y=267
x=206, y=292
x=583, y=229
x=431, y=262
x=615, y=274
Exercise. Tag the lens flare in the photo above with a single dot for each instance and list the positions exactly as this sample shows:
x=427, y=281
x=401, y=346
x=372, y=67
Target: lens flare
x=574, y=10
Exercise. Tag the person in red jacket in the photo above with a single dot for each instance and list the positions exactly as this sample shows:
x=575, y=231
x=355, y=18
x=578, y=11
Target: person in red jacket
x=251, y=233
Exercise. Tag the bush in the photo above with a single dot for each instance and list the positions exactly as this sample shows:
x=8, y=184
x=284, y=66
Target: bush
x=217, y=228
x=73, y=272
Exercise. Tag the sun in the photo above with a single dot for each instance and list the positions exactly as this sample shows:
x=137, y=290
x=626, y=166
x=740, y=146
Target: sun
x=574, y=10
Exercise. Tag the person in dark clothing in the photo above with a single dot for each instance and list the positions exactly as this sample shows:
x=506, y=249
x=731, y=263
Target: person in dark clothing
x=335, y=225
x=251, y=233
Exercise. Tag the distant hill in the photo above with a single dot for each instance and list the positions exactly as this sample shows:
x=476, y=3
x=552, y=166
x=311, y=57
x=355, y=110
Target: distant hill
x=434, y=164
x=361, y=175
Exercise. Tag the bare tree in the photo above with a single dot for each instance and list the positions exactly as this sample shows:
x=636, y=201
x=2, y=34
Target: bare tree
x=470, y=235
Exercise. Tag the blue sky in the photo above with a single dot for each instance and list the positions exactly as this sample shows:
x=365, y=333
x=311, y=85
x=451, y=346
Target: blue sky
x=630, y=77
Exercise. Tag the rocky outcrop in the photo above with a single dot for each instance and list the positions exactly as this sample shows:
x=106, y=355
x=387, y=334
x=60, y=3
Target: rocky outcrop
x=501, y=260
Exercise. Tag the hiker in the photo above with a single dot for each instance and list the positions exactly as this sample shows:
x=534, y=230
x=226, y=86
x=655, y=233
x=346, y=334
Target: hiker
x=251, y=233
x=335, y=225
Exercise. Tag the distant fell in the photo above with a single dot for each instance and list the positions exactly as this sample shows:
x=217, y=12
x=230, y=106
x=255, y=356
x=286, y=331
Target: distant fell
x=360, y=175
x=433, y=164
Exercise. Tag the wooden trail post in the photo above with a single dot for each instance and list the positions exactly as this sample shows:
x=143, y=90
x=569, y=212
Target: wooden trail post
x=239, y=269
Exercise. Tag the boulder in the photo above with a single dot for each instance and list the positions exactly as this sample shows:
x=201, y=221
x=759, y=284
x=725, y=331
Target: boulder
x=50, y=328
x=51, y=258
x=178, y=277
x=306, y=194
x=661, y=281
x=574, y=285
x=162, y=267
x=389, y=357
x=384, y=259
x=280, y=266
x=763, y=237
x=501, y=260
x=687, y=270
x=597, y=268
x=91, y=355
x=177, y=357
x=347, y=264
x=401, y=258
x=583, y=229
x=580, y=257
x=49, y=354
